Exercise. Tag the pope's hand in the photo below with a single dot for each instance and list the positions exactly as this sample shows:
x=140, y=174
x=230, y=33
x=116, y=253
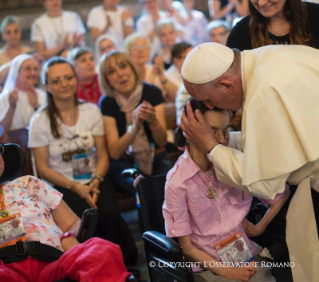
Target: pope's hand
x=197, y=130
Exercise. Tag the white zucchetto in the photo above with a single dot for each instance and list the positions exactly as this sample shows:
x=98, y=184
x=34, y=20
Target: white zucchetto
x=206, y=62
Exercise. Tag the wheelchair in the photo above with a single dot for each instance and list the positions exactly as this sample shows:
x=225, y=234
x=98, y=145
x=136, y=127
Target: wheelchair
x=13, y=169
x=164, y=251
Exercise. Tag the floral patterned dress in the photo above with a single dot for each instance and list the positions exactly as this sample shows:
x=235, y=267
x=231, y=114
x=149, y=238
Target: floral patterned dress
x=34, y=200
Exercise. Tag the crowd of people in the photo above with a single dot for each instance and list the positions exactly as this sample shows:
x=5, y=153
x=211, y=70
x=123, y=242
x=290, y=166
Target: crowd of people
x=97, y=112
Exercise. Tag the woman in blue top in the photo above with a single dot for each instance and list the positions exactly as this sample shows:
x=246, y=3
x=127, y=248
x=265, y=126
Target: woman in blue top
x=134, y=118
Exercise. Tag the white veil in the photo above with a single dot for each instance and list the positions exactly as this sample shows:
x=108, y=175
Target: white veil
x=97, y=45
x=14, y=70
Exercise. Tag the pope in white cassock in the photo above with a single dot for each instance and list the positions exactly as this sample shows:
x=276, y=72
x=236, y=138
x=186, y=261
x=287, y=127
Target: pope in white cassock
x=278, y=88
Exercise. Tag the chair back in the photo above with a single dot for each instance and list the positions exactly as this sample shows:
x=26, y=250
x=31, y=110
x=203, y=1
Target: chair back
x=20, y=137
x=13, y=162
x=151, y=192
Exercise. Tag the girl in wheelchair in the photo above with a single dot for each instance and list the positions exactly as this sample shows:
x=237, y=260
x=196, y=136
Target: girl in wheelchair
x=40, y=241
x=208, y=217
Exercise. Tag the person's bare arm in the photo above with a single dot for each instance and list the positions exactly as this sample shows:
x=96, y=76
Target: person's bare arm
x=155, y=116
x=208, y=263
x=255, y=230
x=66, y=220
x=116, y=145
x=41, y=156
x=4, y=70
x=216, y=12
x=48, y=53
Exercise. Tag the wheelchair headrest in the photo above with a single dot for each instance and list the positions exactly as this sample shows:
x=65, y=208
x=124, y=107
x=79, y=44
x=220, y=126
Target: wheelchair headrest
x=13, y=157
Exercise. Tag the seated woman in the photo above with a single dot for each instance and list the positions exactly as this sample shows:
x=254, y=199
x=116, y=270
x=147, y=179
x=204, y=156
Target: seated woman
x=103, y=44
x=137, y=47
x=87, y=80
x=11, y=34
x=203, y=213
x=38, y=211
x=134, y=120
x=19, y=98
x=179, y=53
x=56, y=29
x=68, y=142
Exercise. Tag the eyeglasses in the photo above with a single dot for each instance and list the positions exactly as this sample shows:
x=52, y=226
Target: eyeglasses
x=1, y=148
x=58, y=81
x=137, y=47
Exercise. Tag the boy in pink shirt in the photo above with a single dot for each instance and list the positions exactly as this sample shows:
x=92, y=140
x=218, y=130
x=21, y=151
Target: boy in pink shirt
x=204, y=213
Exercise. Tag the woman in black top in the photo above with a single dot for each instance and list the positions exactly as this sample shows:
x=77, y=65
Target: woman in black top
x=281, y=22
x=134, y=118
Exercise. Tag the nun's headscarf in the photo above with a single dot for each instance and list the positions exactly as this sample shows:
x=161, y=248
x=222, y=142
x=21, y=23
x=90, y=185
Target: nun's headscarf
x=14, y=70
x=97, y=45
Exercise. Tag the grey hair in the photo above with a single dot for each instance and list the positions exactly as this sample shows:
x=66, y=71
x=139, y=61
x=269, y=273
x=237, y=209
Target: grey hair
x=77, y=52
x=217, y=24
x=10, y=19
x=104, y=84
x=164, y=23
x=132, y=38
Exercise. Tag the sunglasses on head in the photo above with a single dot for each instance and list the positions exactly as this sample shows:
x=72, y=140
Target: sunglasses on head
x=1, y=148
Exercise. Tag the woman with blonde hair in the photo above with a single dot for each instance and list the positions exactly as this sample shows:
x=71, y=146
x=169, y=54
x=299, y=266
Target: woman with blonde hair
x=137, y=47
x=134, y=118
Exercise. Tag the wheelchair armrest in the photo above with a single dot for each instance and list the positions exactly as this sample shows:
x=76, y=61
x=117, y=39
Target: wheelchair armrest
x=163, y=242
x=130, y=172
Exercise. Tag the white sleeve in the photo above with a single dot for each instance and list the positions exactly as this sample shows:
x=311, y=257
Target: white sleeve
x=4, y=105
x=229, y=163
x=181, y=98
x=79, y=23
x=97, y=122
x=235, y=140
x=93, y=20
x=129, y=22
x=36, y=35
x=140, y=27
x=39, y=131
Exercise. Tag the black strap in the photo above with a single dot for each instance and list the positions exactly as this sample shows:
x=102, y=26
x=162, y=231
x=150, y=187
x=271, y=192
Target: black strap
x=22, y=250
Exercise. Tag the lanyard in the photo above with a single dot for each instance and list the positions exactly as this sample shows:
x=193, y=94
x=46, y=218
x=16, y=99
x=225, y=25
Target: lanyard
x=3, y=212
x=223, y=223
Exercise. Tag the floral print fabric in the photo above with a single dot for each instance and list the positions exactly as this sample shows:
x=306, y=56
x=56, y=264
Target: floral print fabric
x=34, y=200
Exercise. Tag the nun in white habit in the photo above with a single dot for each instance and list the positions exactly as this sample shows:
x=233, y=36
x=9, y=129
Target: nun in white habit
x=103, y=44
x=19, y=98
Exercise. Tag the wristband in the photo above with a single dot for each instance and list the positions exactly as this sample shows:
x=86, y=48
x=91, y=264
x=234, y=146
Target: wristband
x=99, y=177
x=164, y=81
x=131, y=130
x=67, y=235
x=71, y=184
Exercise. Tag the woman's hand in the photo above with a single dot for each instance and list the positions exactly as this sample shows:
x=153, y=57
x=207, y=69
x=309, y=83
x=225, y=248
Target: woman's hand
x=147, y=113
x=127, y=13
x=241, y=274
x=159, y=65
x=94, y=185
x=252, y=230
x=136, y=119
x=32, y=96
x=84, y=191
x=13, y=98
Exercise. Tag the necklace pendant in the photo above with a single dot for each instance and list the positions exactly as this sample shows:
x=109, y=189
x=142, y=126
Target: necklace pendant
x=211, y=193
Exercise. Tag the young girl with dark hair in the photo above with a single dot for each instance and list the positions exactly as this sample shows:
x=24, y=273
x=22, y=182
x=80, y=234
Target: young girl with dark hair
x=208, y=217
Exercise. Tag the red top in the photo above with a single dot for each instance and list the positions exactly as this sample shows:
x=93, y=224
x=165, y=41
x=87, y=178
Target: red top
x=89, y=92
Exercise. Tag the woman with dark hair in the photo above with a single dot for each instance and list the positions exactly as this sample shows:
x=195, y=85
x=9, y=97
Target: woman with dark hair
x=134, y=119
x=280, y=22
x=204, y=213
x=68, y=142
x=83, y=62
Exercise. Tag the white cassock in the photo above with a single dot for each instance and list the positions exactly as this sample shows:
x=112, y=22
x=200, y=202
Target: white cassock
x=280, y=141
